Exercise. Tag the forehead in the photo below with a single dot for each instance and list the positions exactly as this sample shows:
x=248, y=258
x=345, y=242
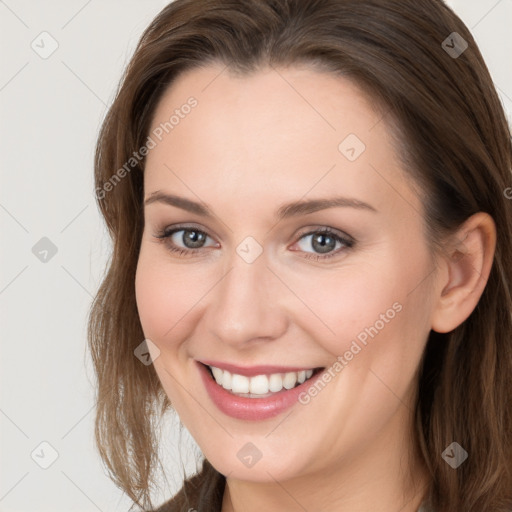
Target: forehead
x=282, y=133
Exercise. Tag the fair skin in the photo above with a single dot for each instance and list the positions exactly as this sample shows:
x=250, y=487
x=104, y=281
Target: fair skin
x=251, y=144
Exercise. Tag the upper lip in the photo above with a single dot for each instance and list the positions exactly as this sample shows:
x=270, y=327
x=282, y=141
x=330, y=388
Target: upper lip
x=251, y=371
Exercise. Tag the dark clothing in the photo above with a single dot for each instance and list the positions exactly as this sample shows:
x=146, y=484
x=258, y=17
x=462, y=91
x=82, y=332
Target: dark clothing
x=205, y=491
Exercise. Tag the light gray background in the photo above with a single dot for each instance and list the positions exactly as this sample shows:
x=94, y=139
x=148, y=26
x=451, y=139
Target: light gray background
x=51, y=111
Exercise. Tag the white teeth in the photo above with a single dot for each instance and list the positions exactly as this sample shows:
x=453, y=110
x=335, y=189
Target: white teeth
x=290, y=379
x=259, y=384
x=226, y=380
x=217, y=373
x=275, y=382
x=239, y=383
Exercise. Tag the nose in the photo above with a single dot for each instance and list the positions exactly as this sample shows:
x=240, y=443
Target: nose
x=245, y=305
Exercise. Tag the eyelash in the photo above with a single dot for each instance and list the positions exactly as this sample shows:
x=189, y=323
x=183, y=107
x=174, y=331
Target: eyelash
x=346, y=241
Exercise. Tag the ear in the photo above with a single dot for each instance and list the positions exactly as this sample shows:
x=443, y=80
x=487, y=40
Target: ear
x=466, y=268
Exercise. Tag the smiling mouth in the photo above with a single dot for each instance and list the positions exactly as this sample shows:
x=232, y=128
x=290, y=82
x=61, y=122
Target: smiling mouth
x=260, y=386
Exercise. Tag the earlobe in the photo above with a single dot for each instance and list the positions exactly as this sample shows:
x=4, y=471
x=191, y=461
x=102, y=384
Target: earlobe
x=468, y=265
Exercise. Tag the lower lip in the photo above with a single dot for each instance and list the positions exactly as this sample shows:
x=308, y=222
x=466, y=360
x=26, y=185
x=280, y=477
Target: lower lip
x=253, y=409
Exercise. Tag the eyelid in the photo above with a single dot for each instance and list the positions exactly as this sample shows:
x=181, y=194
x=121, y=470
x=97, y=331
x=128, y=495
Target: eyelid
x=166, y=232
x=325, y=229
x=168, y=229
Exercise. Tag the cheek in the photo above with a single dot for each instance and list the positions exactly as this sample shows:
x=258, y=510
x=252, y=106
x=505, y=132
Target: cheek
x=383, y=306
x=341, y=304
x=164, y=304
x=163, y=298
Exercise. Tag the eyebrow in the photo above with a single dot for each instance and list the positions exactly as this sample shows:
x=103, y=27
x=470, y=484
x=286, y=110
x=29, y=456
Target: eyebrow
x=293, y=209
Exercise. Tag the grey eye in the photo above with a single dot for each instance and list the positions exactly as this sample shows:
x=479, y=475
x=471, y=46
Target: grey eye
x=321, y=242
x=191, y=238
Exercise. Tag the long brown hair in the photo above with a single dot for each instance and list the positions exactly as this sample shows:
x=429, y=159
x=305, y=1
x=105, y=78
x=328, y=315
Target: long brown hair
x=456, y=142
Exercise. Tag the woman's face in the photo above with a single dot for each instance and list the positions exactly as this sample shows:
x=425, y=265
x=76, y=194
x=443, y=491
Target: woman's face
x=261, y=284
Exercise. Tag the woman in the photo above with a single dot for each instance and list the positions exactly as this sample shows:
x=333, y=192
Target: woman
x=309, y=205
